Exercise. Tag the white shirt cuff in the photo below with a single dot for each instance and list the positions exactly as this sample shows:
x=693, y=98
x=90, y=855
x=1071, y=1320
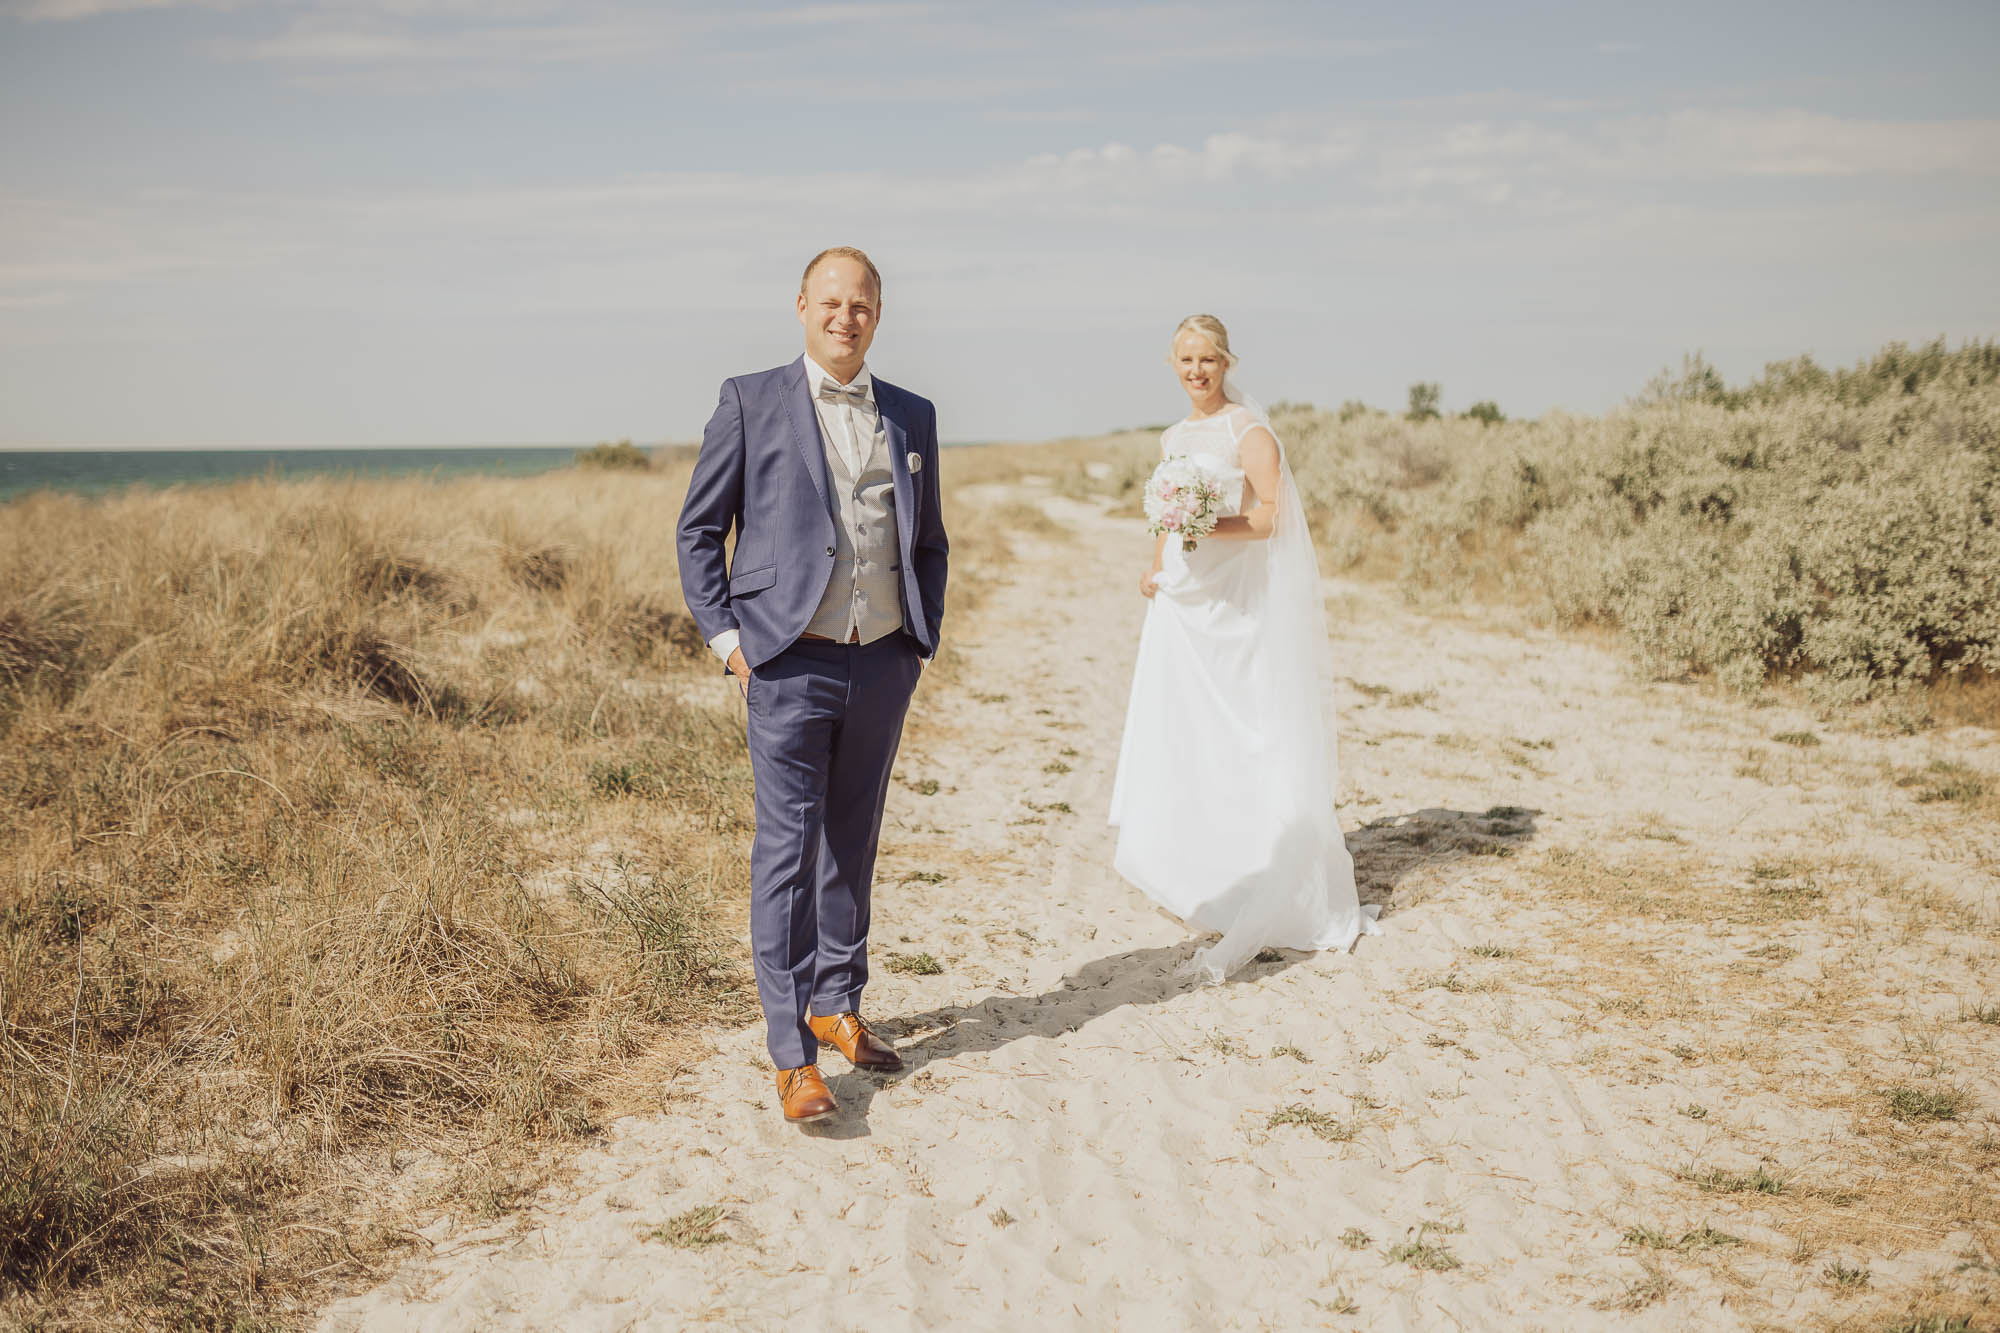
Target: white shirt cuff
x=725, y=643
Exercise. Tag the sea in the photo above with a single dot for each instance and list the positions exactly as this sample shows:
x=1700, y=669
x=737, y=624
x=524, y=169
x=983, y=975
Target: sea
x=95, y=471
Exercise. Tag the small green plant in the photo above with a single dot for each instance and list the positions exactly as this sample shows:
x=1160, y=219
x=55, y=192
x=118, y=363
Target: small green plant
x=1422, y=1252
x=925, y=787
x=1845, y=1276
x=1339, y=1303
x=1707, y=1238
x=1001, y=1218
x=695, y=1229
x=1491, y=951
x=1805, y=740
x=1948, y=781
x=915, y=964
x=1292, y=1051
x=1055, y=767
x=924, y=877
x=1983, y=1013
x=1758, y=1181
x=1354, y=1238
x=1695, y=1111
x=1920, y=1105
x=1643, y=1291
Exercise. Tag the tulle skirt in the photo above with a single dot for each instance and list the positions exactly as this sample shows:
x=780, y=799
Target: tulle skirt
x=1223, y=797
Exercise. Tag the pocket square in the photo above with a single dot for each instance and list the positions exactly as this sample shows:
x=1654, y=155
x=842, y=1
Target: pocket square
x=916, y=461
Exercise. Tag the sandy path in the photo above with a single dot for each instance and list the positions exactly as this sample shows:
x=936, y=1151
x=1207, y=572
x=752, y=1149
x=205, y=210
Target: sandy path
x=1081, y=1142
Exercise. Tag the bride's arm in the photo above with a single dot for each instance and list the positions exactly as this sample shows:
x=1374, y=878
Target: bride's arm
x=1148, y=581
x=1260, y=468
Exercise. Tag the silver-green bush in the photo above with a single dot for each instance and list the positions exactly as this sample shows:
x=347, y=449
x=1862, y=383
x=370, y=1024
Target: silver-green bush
x=1842, y=526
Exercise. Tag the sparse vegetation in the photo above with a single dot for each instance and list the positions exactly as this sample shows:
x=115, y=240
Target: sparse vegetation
x=695, y=1229
x=914, y=964
x=1330, y=1128
x=1420, y=1251
x=1922, y=1105
x=1944, y=780
x=1755, y=1181
x=1705, y=1237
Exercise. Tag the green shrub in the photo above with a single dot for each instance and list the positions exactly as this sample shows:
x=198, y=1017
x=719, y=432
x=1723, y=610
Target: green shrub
x=1424, y=401
x=623, y=454
x=1841, y=526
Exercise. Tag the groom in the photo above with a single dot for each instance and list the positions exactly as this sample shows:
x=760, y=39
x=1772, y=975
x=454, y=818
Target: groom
x=824, y=617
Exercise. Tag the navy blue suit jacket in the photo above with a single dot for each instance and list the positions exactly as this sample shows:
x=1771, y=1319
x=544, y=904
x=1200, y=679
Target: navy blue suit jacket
x=762, y=471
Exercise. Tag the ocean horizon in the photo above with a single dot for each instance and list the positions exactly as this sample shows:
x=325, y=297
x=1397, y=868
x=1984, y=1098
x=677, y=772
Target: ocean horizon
x=99, y=471
x=103, y=471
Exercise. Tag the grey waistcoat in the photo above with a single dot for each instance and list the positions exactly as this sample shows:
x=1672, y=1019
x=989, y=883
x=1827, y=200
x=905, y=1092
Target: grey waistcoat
x=864, y=595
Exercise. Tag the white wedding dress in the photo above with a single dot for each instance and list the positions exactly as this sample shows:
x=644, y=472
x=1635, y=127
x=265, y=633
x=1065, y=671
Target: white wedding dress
x=1224, y=798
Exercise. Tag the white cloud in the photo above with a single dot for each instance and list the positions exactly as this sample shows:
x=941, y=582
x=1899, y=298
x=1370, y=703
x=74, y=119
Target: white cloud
x=1220, y=157
x=1804, y=143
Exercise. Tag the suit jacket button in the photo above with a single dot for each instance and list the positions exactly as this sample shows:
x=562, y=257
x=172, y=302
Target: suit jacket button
x=829, y=550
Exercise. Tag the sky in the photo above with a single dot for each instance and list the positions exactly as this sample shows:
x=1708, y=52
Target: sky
x=375, y=222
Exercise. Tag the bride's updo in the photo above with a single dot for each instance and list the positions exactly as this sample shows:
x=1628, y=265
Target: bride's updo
x=1209, y=327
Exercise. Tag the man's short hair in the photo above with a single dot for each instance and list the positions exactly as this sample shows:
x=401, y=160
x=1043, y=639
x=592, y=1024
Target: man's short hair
x=842, y=252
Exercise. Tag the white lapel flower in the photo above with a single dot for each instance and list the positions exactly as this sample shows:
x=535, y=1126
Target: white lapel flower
x=916, y=461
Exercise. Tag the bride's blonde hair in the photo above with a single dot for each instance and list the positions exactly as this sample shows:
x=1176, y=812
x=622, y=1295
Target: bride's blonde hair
x=1209, y=327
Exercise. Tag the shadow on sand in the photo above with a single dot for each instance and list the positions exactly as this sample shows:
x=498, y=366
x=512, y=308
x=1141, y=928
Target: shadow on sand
x=1386, y=851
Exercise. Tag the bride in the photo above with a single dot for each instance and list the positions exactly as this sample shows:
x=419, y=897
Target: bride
x=1225, y=787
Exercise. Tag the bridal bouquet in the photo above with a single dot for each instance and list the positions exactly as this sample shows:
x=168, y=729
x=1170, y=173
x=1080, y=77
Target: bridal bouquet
x=1182, y=499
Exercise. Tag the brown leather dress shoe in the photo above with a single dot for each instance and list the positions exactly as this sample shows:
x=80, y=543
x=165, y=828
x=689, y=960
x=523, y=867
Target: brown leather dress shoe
x=803, y=1094
x=847, y=1034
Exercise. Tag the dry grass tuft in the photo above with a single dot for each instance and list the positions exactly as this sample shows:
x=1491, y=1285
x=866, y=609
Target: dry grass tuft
x=914, y=964
x=304, y=794
x=1330, y=1128
x=695, y=1229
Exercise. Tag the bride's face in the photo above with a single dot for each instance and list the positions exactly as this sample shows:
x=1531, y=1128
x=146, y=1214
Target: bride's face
x=1200, y=367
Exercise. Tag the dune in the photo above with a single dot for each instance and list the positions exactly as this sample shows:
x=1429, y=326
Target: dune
x=1683, y=1016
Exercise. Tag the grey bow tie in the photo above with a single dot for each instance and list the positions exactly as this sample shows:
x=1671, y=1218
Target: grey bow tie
x=835, y=392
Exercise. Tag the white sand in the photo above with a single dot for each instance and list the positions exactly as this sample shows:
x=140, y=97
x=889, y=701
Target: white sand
x=1062, y=1079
